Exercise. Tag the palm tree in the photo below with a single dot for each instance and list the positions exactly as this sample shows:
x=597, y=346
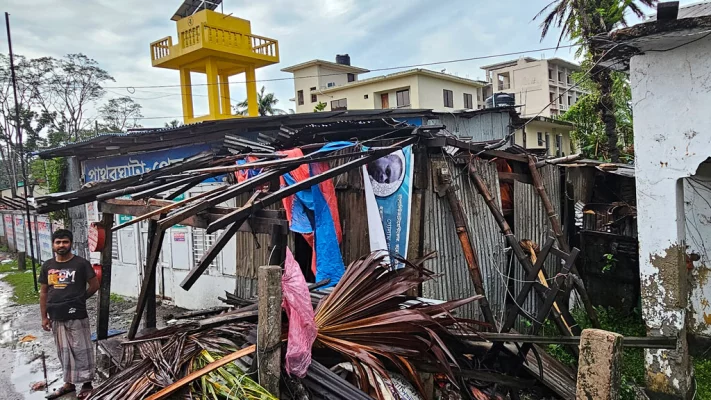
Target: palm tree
x=266, y=101
x=582, y=20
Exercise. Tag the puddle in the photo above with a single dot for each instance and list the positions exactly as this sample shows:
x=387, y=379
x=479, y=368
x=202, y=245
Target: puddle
x=27, y=369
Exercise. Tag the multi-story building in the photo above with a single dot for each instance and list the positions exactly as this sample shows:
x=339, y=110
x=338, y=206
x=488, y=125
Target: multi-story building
x=338, y=85
x=536, y=83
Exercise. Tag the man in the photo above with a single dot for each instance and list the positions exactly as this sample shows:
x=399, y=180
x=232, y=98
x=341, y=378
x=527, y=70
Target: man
x=63, y=297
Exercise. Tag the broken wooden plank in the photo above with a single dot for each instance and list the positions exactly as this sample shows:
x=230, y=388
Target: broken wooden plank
x=104, y=298
x=151, y=265
x=167, y=391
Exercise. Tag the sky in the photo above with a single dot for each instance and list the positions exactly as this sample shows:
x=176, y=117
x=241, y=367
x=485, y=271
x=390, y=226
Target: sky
x=375, y=33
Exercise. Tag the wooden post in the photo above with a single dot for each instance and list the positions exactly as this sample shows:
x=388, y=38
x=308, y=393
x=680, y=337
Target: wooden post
x=269, y=328
x=277, y=253
x=470, y=254
x=104, y=300
x=562, y=241
x=148, y=287
x=149, y=273
x=21, y=260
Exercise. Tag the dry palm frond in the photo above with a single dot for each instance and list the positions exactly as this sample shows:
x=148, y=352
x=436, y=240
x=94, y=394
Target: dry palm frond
x=364, y=319
x=172, y=354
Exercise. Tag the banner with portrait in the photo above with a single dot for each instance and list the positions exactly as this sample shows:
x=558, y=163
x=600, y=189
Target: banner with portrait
x=388, y=192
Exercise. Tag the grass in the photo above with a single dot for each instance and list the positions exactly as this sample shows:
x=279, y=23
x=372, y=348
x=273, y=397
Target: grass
x=702, y=371
x=116, y=299
x=22, y=283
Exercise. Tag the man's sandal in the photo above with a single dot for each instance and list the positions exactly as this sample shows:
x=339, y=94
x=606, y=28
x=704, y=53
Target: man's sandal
x=64, y=390
x=85, y=391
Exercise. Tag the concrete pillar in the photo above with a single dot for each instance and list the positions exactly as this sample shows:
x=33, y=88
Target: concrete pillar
x=21, y=260
x=253, y=106
x=226, y=107
x=187, y=90
x=599, y=365
x=213, y=90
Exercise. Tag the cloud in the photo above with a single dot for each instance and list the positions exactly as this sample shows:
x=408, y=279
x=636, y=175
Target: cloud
x=377, y=34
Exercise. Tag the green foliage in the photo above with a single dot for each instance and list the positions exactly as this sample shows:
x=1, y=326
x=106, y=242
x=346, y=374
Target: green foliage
x=116, y=299
x=228, y=382
x=609, y=262
x=173, y=124
x=22, y=283
x=589, y=132
x=702, y=372
x=267, y=103
x=320, y=106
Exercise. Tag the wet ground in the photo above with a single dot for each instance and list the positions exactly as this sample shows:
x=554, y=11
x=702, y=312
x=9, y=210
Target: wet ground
x=21, y=361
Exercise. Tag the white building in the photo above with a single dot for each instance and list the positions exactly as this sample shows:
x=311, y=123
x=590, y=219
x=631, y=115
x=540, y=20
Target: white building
x=340, y=87
x=536, y=83
x=669, y=62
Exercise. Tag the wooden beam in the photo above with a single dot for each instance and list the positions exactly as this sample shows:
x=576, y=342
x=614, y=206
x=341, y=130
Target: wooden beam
x=104, y=300
x=647, y=342
x=510, y=177
x=171, y=185
x=150, y=269
x=505, y=155
x=274, y=197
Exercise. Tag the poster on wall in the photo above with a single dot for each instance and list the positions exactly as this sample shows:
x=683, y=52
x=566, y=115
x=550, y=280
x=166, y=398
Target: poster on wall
x=20, y=232
x=388, y=190
x=2, y=228
x=92, y=212
x=44, y=233
x=9, y=230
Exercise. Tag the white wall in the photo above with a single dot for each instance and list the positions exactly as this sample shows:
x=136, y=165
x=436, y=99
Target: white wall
x=305, y=79
x=431, y=93
x=671, y=95
x=356, y=95
x=697, y=205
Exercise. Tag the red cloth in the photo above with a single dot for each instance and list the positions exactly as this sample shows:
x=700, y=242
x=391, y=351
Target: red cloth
x=506, y=188
x=329, y=193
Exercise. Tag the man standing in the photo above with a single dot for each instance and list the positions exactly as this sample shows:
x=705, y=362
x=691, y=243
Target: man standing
x=63, y=297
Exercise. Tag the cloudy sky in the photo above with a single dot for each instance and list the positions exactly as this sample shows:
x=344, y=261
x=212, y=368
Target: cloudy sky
x=376, y=34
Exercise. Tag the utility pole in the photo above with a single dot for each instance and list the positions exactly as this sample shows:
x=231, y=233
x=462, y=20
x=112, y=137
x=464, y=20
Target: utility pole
x=22, y=156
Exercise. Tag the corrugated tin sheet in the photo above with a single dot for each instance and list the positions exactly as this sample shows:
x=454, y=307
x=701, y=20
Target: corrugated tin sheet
x=440, y=235
x=531, y=222
x=480, y=127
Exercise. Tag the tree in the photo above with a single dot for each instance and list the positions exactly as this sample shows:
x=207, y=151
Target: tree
x=581, y=21
x=173, y=124
x=120, y=114
x=69, y=85
x=266, y=101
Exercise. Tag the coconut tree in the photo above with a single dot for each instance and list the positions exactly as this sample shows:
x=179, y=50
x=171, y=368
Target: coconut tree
x=581, y=21
x=266, y=101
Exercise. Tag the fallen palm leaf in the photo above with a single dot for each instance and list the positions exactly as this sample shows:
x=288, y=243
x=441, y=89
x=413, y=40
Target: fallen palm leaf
x=364, y=319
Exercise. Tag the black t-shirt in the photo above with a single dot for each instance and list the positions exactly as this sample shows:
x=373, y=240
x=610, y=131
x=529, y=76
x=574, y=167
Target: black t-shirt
x=66, y=297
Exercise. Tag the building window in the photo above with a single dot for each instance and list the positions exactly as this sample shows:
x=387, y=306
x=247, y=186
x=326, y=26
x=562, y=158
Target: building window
x=330, y=84
x=548, y=143
x=553, y=102
x=313, y=98
x=403, y=98
x=351, y=77
x=568, y=79
x=570, y=100
x=468, y=103
x=558, y=145
x=540, y=138
x=560, y=76
x=365, y=96
x=550, y=74
x=338, y=105
x=478, y=94
x=448, y=98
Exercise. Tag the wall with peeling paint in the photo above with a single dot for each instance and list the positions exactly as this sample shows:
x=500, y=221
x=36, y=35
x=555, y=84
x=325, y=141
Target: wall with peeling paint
x=697, y=205
x=671, y=95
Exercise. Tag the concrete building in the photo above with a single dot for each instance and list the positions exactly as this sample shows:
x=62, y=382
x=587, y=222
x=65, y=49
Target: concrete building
x=338, y=85
x=669, y=61
x=536, y=83
x=545, y=133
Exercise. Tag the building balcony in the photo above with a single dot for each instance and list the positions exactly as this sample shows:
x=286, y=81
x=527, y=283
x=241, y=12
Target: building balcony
x=204, y=40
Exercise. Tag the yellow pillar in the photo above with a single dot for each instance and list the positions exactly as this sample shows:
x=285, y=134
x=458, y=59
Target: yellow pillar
x=253, y=107
x=187, y=90
x=225, y=94
x=213, y=90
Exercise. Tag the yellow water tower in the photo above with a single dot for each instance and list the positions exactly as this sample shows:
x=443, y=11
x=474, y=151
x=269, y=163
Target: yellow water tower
x=219, y=46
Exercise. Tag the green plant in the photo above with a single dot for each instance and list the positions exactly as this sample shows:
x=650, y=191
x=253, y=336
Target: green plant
x=609, y=262
x=320, y=106
x=702, y=373
x=116, y=299
x=23, y=287
x=9, y=267
x=228, y=382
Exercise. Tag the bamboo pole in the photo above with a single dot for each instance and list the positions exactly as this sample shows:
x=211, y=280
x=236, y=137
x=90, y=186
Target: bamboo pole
x=562, y=242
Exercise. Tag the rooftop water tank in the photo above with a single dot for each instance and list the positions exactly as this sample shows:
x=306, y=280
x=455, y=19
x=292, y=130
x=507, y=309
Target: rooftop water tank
x=344, y=59
x=501, y=100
